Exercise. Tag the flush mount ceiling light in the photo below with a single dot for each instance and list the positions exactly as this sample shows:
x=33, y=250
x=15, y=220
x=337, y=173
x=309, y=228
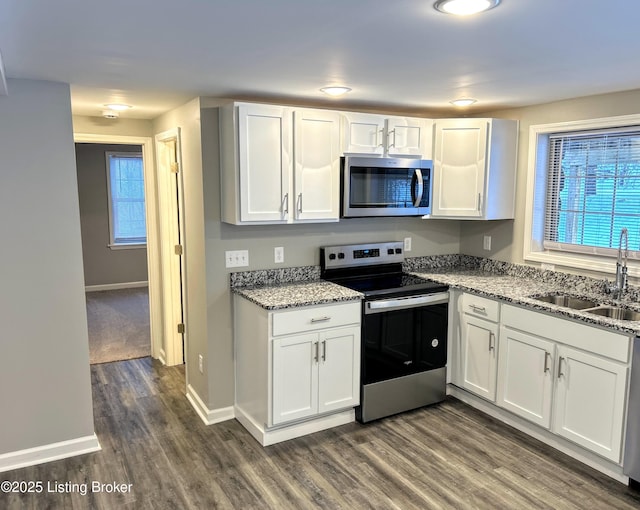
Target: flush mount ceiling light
x=119, y=107
x=463, y=101
x=335, y=91
x=465, y=7
x=110, y=114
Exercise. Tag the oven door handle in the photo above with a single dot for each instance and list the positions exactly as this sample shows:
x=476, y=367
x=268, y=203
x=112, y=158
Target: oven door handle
x=387, y=305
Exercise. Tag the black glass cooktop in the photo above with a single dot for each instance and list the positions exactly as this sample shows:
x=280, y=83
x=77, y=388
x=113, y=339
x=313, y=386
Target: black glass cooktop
x=395, y=283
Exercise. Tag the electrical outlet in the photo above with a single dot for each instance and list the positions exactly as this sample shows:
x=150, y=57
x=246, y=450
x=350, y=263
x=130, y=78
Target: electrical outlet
x=407, y=244
x=237, y=258
x=278, y=255
x=201, y=363
x=486, y=243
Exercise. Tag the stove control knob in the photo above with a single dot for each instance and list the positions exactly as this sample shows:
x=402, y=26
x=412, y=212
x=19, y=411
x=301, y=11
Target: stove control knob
x=390, y=251
x=398, y=251
x=332, y=256
x=340, y=255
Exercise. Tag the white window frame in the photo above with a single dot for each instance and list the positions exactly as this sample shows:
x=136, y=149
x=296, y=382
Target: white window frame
x=112, y=242
x=533, y=249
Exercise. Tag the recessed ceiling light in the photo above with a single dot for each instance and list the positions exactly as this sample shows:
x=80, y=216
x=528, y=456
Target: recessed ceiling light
x=463, y=101
x=335, y=91
x=465, y=7
x=119, y=107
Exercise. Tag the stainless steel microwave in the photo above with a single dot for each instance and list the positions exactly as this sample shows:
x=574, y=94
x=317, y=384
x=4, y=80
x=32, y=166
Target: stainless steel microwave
x=385, y=187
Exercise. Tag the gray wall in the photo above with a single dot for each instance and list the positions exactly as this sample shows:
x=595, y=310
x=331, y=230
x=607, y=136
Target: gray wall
x=102, y=265
x=45, y=387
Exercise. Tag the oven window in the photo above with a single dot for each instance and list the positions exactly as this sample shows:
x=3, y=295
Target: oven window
x=403, y=342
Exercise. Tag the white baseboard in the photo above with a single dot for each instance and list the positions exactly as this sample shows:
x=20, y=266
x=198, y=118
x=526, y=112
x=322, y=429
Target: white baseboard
x=208, y=416
x=115, y=286
x=49, y=452
x=273, y=436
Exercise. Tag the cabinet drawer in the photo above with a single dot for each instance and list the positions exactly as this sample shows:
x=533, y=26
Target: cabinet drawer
x=481, y=307
x=314, y=318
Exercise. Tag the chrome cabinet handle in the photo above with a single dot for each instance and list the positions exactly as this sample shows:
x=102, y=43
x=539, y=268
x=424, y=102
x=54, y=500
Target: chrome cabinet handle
x=285, y=204
x=320, y=319
x=479, y=200
x=560, y=374
x=300, y=202
x=324, y=350
x=546, y=361
x=381, y=144
x=492, y=339
x=394, y=139
x=477, y=308
x=317, y=356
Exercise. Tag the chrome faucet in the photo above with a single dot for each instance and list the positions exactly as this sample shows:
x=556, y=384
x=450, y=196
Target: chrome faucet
x=620, y=284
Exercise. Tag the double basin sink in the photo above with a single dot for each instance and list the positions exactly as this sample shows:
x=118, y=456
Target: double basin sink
x=585, y=305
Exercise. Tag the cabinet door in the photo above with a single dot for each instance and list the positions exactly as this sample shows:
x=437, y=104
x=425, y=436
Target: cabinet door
x=339, y=369
x=590, y=401
x=264, y=148
x=479, y=362
x=408, y=136
x=316, y=146
x=459, y=163
x=525, y=375
x=363, y=133
x=294, y=377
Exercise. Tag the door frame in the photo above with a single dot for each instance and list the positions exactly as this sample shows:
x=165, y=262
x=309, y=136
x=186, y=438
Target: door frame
x=154, y=274
x=170, y=201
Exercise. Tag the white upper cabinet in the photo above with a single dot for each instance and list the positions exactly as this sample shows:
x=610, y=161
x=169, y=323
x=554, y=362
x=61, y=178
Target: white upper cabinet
x=316, y=164
x=381, y=135
x=279, y=164
x=474, y=162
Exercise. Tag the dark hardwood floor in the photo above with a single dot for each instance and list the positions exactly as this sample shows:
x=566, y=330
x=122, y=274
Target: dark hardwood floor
x=447, y=456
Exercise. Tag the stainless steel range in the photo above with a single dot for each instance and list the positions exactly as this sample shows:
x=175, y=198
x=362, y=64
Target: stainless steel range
x=404, y=327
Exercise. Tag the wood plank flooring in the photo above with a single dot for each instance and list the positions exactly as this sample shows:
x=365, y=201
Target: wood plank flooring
x=447, y=456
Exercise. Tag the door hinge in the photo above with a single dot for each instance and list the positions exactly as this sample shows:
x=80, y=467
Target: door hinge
x=181, y=328
x=175, y=167
x=178, y=249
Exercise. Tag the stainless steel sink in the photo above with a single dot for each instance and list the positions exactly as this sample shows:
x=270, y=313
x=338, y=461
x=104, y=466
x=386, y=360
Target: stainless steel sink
x=615, y=312
x=567, y=301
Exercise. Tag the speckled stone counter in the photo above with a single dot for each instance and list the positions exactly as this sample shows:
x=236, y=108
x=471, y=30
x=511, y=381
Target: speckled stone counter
x=521, y=289
x=291, y=295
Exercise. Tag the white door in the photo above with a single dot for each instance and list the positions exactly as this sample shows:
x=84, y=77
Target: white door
x=295, y=377
x=264, y=153
x=170, y=213
x=525, y=375
x=408, y=136
x=479, y=363
x=363, y=133
x=339, y=369
x=590, y=401
x=316, y=146
x=459, y=162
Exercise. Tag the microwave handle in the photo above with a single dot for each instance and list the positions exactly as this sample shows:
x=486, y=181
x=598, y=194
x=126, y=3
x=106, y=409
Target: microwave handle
x=417, y=187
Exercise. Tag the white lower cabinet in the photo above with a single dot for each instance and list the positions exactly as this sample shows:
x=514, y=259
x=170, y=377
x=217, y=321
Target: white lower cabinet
x=564, y=376
x=590, y=401
x=297, y=370
x=315, y=373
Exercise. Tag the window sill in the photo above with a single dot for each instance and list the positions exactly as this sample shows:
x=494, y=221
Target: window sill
x=131, y=246
x=581, y=262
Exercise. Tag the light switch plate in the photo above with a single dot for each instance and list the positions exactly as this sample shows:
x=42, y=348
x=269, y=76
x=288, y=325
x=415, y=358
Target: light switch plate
x=237, y=258
x=278, y=255
x=486, y=243
x=407, y=244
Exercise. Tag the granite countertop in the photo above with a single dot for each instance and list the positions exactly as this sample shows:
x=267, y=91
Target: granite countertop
x=520, y=290
x=293, y=294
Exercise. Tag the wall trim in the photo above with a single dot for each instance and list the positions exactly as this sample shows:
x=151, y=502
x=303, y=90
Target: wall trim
x=49, y=453
x=208, y=416
x=115, y=286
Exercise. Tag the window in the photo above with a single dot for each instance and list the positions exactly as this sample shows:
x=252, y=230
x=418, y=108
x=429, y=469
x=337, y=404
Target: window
x=584, y=189
x=125, y=185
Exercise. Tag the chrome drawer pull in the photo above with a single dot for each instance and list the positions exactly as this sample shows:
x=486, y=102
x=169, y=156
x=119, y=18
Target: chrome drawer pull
x=477, y=308
x=320, y=319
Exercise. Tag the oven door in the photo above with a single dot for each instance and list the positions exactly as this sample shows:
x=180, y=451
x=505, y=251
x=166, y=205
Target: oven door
x=403, y=336
x=386, y=187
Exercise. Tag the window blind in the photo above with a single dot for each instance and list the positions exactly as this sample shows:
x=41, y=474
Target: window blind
x=593, y=191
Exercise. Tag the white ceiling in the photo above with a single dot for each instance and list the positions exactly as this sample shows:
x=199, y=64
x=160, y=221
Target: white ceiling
x=394, y=54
